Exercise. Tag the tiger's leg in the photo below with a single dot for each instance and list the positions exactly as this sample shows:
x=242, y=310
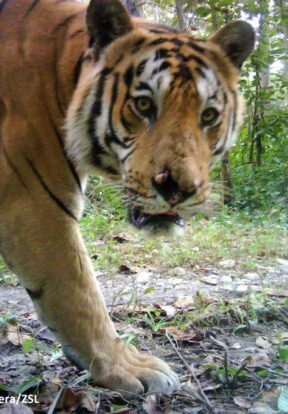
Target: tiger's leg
x=45, y=249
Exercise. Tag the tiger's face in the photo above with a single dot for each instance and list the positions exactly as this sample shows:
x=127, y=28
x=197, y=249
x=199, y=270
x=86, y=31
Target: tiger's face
x=156, y=109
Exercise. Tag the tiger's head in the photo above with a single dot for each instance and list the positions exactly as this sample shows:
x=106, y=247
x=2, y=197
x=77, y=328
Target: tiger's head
x=156, y=108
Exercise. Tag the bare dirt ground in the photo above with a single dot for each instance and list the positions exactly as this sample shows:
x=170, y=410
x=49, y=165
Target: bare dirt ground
x=222, y=328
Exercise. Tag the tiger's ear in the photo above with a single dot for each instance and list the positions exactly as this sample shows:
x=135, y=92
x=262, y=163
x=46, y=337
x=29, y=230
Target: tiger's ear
x=237, y=40
x=106, y=21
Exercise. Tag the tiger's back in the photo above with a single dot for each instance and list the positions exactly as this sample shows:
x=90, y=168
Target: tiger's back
x=41, y=43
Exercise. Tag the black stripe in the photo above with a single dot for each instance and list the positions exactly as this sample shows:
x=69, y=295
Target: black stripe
x=158, y=42
x=70, y=165
x=2, y=5
x=162, y=54
x=73, y=170
x=80, y=263
x=158, y=31
x=77, y=69
x=176, y=41
x=119, y=60
x=140, y=68
x=181, y=57
x=197, y=59
x=221, y=149
x=196, y=47
x=76, y=33
x=223, y=146
x=111, y=136
x=32, y=6
x=184, y=72
x=59, y=139
x=97, y=149
x=97, y=152
x=14, y=168
x=127, y=155
x=164, y=65
x=128, y=76
x=111, y=170
x=144, y=86
x=127, y=125
x=137, y=45
x=62, y=25
x=200, y=72
x=66, y=21
x=97, y=106
x=35, y=294
x=48, y=191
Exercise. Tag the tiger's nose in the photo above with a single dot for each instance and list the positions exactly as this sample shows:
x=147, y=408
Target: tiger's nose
x=169, y=189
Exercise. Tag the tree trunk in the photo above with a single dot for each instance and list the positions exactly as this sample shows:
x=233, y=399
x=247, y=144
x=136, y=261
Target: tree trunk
x=284, y=28
x=225, y=174
x=180, y=14
x=262, y=77
x=228, y=196
x=133, y=7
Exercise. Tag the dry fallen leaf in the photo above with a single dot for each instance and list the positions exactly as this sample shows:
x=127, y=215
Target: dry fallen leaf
x=186, y=302
x=237, y=345
x=260, y=360
x=87, y=403
x=242, y=403
x=263, y=342
x=68, y=400
x=123, y=237
x=178, y=334
x=209, y=280
x=169, y=310
x=277, y=292
x=14, y=336
x=119, y=326
x=212, y=387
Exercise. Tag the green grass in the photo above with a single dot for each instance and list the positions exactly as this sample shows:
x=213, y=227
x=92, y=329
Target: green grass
x=237, y=235
x=230, y=235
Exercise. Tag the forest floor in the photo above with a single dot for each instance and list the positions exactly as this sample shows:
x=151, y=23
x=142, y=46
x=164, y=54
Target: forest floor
x=214, y=306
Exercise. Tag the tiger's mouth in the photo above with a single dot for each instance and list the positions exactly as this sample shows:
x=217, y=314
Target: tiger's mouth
x=160, y=221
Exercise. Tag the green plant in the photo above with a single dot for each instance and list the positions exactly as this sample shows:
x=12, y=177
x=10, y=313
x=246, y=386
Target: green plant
x=153, y=319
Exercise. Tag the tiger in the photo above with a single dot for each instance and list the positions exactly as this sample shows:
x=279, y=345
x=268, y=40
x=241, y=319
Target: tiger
x=89, y=89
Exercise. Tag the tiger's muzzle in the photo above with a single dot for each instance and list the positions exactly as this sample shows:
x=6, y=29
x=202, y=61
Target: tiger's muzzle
x=163, y=220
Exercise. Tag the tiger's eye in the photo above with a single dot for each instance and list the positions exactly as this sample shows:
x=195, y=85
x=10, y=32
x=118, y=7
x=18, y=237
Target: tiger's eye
x=209, y=116
x=143, y=104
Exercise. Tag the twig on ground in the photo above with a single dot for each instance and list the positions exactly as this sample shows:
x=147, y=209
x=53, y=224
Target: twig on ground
x=219, y=343
x=226, y=368
x=253, y=397
x=205, y=400
x=276, y=382
x=280, y=374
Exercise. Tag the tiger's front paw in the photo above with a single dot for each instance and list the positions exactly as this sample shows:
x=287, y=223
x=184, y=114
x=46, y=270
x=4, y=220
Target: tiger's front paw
x=134, y=373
